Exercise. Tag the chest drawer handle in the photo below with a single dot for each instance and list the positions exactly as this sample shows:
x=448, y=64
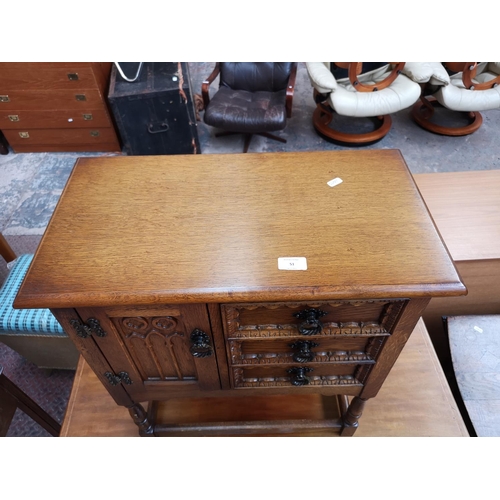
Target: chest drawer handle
x=298, y=375
x=158, y=128
x=311, y=324
x=200, y=344
x=304, y=353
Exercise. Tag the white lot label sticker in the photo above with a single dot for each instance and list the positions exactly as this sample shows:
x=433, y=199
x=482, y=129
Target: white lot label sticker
x=335, y=182
x=292, y=263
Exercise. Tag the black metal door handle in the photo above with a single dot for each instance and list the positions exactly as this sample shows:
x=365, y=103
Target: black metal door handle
x=200, y=344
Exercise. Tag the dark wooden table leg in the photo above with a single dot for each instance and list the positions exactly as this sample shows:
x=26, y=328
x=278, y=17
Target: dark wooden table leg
x=352, y=416
x=141, y=419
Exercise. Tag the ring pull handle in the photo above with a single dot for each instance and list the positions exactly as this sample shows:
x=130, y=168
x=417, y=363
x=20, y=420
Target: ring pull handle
x=200, y=344
x=311, y=324
x=298, y=375
x=304, y=353
x=158, y=129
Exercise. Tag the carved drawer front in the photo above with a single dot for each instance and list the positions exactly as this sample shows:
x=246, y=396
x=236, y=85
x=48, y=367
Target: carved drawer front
x=327, y=318
x=295, y=376
x=302, y=350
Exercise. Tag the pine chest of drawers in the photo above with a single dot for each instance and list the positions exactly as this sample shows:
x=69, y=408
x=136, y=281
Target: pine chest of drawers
x=56, y=107
x=249, y=275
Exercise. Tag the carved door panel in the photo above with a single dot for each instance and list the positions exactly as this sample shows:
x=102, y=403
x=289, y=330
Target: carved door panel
x=157, y=352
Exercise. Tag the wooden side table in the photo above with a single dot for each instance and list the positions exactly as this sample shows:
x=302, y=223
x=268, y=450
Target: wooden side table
x=430, y=412
x=241, y=276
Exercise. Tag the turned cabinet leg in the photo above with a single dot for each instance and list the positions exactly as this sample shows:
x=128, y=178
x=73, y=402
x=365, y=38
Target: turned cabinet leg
x=352, y=416
x=140, y=418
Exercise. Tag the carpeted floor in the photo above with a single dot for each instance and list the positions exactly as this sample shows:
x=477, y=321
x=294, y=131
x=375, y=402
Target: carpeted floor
x=49, y=388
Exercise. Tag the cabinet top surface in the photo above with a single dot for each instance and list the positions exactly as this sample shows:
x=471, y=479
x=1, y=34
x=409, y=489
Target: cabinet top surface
x=210, y=228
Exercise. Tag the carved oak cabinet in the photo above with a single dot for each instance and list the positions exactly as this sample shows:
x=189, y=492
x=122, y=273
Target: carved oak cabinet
x=241, y=276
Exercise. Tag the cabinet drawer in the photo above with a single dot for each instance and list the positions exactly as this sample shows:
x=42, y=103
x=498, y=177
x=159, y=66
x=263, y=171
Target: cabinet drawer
x=300, y=350
x=41, y=76
x=60, y=118
x=337, y=318
x=295, y=376
x=82, y=139
x=50, y=99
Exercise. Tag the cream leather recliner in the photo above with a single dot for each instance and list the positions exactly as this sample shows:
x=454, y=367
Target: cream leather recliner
x=463, y=87
x=360, y=90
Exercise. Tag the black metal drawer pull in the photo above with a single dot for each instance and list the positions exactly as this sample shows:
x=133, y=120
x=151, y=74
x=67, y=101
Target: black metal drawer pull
x=298, y=375
x=200, y=344
x=311, y=324
x=304, y=353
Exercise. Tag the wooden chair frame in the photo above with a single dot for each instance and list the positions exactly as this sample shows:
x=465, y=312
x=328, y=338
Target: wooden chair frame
x=12, y=397
x=423, y=110
x=324, y=113
x=5, y=250
x=469, y=70
x=354, y=70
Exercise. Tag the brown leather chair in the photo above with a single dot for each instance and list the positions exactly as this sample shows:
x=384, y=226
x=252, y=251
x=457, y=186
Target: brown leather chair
x=253, y=98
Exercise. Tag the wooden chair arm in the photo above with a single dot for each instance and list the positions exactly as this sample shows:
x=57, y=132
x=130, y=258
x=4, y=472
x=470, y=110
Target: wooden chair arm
x=355, y=69
x=290, y=89
x=206, y=83
x=469, y=73
x=469, y=70
x=5, y=250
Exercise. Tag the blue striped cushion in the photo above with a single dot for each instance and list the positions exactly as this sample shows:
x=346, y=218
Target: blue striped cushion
x=24, y=321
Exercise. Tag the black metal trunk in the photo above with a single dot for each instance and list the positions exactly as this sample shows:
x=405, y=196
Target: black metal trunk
x=155, y=114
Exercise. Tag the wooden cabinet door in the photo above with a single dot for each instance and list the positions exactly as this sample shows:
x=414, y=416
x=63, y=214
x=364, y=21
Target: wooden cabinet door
x=156, y=352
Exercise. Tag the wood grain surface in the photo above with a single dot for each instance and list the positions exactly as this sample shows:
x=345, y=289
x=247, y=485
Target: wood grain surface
x=414, y=401
x=475, y=352
x=465, y=207
x=210, y=228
